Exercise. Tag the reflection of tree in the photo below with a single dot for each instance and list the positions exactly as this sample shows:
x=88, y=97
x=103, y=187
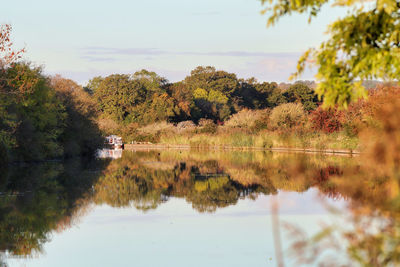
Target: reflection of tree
x=126, y=186
x=208, y=181
x=49, y=197
x=39, y=199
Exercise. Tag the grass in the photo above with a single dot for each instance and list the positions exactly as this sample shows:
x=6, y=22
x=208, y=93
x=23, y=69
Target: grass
x=264, y=139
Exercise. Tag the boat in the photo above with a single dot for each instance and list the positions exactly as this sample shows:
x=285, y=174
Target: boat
x=114, y=142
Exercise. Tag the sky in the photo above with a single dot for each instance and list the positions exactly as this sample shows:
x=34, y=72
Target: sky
x=80, y=39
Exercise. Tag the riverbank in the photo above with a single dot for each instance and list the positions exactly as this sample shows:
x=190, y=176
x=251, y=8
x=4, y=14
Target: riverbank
x=333, y=143
x=146, y=147
x=265, y=140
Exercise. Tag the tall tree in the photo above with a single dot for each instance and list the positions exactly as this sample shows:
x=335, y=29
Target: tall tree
x=301, y=93
x=117, y=94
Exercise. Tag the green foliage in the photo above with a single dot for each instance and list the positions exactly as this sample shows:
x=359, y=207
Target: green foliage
x=38, y=115
x=144, y=97
x=140, y=98
x=117, y=94
x=209, y=78
x=301, y=93
x=150, y=80
x=42, y=119
x=254, y=95
x=37, y=121
x=93, y=84
x=362, y=46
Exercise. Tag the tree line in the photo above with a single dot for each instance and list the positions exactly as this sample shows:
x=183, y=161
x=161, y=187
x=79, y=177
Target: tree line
x=207, y=93
x=43, y=117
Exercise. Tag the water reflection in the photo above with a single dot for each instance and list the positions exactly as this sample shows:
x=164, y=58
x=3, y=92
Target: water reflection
x=109, y=153
x=210, y=180
x=38, y=200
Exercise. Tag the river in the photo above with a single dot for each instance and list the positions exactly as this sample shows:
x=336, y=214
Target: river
x=195, y=208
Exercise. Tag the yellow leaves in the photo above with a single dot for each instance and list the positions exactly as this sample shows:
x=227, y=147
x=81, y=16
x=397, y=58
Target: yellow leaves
x=200, y=93
x=347, y=2
x=211, y=96
x=301, y=64
x=389, y=6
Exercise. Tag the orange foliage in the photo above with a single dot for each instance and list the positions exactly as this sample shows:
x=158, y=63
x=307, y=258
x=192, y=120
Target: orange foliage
x=7, y=54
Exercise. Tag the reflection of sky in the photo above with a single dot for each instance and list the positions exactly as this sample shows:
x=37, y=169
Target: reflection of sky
x=82, y=39
x=176, y=235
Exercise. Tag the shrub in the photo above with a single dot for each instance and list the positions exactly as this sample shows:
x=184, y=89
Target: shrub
x=185, y=125
x=327, y=120
x=157, y=128
x=287, y=116
x=247, y=118
x=207, y=126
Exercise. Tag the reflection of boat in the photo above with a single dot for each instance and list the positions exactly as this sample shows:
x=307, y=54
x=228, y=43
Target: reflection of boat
x=114, y=141
x=109, y=153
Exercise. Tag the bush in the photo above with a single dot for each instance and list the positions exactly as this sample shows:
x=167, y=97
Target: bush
x=207, y=126
x=185, y=125
x=157, y=128
x=247, y=118
x=287, y=116
x=327, y=120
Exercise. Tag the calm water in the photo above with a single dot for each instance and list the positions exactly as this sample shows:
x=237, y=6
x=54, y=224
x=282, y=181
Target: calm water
x=185, y=208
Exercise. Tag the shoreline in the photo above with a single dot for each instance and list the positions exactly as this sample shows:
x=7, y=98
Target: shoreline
x=223, y=147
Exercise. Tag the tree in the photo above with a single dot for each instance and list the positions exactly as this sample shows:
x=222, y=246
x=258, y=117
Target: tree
x=271, y=95
x=93, y=84
x=117, y=94
x=8, y=123
x=364, y=45
x=301, y=93
x=38, y=114
x=81, y=135
x=212, y=92
x=183, y=99
x=209, y=78
x=153, y=82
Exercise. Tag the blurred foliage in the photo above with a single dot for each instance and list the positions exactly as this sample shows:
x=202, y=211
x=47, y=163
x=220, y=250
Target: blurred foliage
x=363, y=45
x=369, y=235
